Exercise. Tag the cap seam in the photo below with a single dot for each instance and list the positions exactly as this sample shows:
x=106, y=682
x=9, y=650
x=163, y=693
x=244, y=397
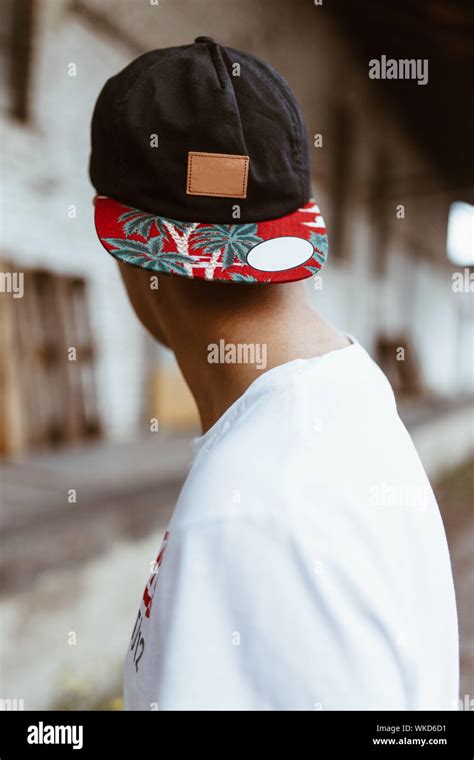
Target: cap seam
x=286, y=98
x=289, y=107
x=214, y=55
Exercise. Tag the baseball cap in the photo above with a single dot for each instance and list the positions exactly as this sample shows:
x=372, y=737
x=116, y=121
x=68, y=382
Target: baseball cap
x=200, y=160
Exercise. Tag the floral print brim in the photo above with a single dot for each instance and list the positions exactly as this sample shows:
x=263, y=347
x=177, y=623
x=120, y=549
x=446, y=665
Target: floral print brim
x=287, y=249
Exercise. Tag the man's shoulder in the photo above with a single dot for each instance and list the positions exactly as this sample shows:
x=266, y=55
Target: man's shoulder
x=242, y=469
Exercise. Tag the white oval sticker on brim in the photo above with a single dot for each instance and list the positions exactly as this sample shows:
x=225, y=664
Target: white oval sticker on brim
x=280, y=254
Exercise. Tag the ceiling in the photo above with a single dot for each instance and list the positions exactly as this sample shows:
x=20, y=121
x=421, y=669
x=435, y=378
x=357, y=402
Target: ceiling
x=440, y=114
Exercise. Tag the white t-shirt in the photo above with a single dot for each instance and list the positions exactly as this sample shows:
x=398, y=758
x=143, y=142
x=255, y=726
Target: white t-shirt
x=305, y=565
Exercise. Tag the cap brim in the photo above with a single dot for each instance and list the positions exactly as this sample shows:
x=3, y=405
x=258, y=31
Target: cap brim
x=286, y=249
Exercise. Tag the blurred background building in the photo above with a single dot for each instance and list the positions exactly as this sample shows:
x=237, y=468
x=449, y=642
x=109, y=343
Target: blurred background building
x=87, y=481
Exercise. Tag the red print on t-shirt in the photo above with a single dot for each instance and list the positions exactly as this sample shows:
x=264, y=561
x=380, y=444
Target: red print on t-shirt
x=151, y=585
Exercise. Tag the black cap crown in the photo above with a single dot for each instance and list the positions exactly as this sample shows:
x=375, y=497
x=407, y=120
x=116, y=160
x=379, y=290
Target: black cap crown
x=208, y=99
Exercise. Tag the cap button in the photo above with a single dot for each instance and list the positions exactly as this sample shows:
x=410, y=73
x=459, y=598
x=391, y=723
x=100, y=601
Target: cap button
x=204, y=39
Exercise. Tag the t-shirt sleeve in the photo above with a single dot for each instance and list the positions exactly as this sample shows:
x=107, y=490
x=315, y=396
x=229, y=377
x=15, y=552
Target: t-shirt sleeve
x=231, y=624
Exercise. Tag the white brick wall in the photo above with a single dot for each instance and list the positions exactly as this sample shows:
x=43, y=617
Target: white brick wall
x=45, y=171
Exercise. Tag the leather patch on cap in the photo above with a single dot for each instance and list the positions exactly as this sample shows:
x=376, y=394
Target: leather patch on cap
x=219, y=174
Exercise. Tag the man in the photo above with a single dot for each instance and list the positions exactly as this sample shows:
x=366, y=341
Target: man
x=305, y=565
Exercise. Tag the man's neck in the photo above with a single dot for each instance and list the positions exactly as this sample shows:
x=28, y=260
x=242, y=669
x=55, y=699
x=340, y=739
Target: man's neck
x=213, y=356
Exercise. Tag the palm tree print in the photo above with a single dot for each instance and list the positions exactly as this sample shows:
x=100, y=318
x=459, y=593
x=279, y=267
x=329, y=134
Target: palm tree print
x=182, y=241
x=237, y=277
x=206, y=247
x=149, y=255
x=232, y=239
x=135, y=222
x=212, y=264
x=320, y=245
